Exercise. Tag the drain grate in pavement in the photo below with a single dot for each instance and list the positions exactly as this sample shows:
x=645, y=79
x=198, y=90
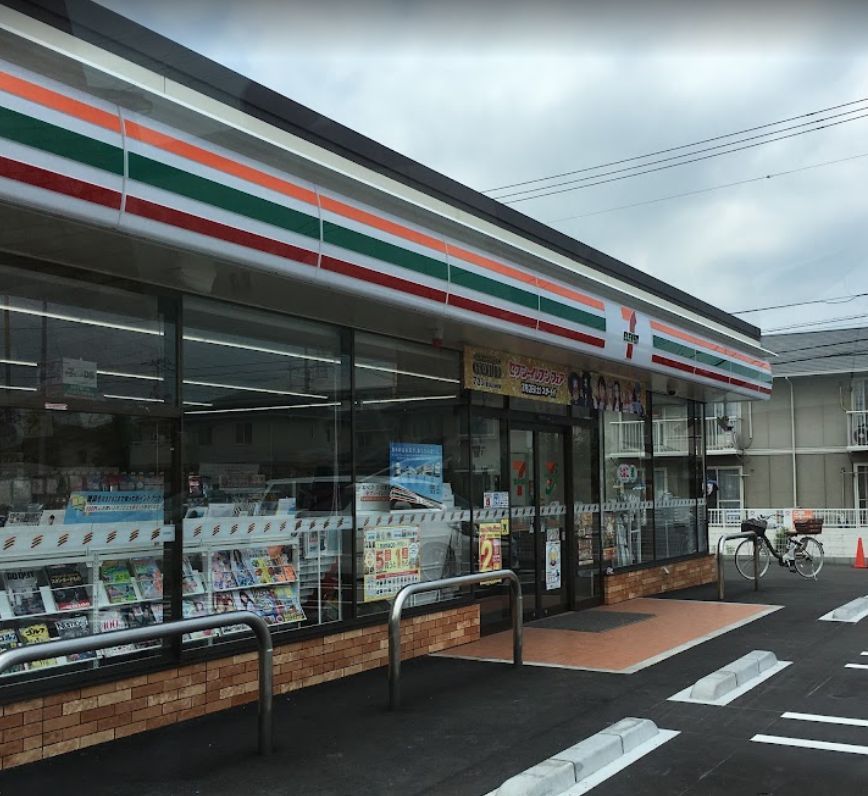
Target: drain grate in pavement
x=590, y=621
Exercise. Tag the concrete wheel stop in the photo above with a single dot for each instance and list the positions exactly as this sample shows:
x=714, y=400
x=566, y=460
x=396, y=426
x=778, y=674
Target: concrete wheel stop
x=584, y=765
x=852, y=611
x=726, y=684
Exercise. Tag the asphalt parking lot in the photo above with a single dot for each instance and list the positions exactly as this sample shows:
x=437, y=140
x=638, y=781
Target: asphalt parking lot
x=465, y=726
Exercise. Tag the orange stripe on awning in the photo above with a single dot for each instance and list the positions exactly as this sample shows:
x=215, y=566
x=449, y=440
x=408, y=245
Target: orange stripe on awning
x=211, y=159
x=569, y=293
x=492, y=265
x=383, y=224
x=59, y=102
x=689, y=338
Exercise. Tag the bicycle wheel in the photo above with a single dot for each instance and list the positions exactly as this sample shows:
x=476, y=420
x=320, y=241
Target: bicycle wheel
x=809, y=557
x=744, y=558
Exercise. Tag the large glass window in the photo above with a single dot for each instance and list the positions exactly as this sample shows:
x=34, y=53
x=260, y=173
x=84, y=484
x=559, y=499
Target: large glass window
x=65, y=342
x=267, y=473
x=87, y=435
x=677, y=459
x=627, y=515
x=412, y=473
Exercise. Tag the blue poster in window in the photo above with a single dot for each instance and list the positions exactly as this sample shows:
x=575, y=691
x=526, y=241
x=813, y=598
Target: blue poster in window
x=103, y=506
x=417, y=468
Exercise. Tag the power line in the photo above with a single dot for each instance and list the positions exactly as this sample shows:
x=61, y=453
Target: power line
x=708, y=190
x=816, y=323
x=507, y=200
x=835, y=300
x=675, y=148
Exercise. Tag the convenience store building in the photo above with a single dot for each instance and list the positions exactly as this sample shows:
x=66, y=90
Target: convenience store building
x=252, y=359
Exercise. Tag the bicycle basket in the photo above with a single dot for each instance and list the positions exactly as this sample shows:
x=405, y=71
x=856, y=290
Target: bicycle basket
x=813, y=525
x=754, y=524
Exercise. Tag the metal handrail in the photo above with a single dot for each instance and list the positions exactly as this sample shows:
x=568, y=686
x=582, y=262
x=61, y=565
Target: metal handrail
x=720, y=544
x=516, y=604
x=114, y=638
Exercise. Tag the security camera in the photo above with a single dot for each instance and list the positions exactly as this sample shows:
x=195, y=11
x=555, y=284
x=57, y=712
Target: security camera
x=670, y=391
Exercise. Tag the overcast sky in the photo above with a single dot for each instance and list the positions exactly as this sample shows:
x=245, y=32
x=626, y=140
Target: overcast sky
x=505, y=93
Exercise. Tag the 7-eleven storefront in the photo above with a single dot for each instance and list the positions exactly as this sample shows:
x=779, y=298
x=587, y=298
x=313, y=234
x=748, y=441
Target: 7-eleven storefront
x=249, y=364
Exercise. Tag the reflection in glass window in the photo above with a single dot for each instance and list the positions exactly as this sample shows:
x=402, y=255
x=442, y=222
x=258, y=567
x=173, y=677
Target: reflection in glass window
x=677, y=462
x=84, y=505
x=627, y=518
x=65, y=341
x=412, y=485
x=266, y=469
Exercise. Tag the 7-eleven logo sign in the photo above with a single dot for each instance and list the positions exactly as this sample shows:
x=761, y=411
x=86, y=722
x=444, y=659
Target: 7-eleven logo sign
x=631, y=338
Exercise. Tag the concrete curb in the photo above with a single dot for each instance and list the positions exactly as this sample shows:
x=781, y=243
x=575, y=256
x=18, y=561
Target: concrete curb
x=725, y=684
x=562, y=771
x=852, y=611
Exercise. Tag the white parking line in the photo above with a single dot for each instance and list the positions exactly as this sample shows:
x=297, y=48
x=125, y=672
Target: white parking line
x=856, y=665
x=826, y=719
x=802, y=743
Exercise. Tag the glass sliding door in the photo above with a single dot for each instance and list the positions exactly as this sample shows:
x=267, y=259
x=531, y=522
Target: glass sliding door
x=523, y=525
x=587, y=588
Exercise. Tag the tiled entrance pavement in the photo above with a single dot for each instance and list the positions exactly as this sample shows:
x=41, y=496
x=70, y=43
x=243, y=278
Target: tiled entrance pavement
x=668, y=627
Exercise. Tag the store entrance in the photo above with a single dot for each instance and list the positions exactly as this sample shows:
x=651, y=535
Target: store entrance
x=538, y=526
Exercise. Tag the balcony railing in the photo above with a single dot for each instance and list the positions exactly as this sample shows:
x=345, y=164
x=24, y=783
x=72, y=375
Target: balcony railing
x=832, y=518
x=857, y=430
x=720, y=440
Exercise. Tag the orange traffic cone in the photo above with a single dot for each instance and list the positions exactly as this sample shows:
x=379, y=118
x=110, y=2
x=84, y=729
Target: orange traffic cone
x=859, y=563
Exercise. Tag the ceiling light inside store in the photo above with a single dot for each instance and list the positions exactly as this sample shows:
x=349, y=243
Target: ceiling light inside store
x=252, y=389
x=197, y=403
x=121, y=375
x=20, y=362
x=258, y=409
x=56, y=316
x=23, y=389
x=407, y=400
x=407, y=373
x=261, y=349
x=134, y=398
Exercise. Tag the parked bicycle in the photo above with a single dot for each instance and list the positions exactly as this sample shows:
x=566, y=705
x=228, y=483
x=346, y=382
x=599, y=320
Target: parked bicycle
x=803, y=555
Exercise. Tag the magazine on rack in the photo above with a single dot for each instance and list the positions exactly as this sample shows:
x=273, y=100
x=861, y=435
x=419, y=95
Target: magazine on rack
x=115, y=572
x=141, y=616
x=191, y=579
x=68, y=587
x=240, y=569
x=8, y=641
x=121, y=593
x=150, y=578
x=288, y=598
x=192, y=609
x=113, y=619
x=74, y=627
x=22, y=586
x=223, y=603
x=221, y=571
x=36, y=634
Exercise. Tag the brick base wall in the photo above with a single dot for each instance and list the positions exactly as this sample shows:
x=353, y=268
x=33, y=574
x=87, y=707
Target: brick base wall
x=656, y=580
x=46, y=726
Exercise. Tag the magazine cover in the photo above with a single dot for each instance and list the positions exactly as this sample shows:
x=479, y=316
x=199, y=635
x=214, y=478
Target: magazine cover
x=288, y=598
x=245, y=600
x=113, y=619
x=22, y=586
x=9, y=640
x=74, y=627
x=194, y=608
x=259, y=565
x=120, y=593
x=140, y=616
x=221, y=571
x=68, y=587
x=240, y=570
x=268, y=606
x=191, y=579
x=222, y=604
x=150, y=578
x=115, y=572
x=36, y=634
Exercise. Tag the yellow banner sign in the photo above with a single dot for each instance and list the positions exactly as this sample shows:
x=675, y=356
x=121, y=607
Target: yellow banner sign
x=516, y=376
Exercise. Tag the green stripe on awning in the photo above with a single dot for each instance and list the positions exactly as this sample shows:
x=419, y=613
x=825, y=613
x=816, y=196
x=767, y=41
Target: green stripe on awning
x=572, y=314
x=49, y=137
x=382, y=250
x=712, y=360
x=201, y=189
